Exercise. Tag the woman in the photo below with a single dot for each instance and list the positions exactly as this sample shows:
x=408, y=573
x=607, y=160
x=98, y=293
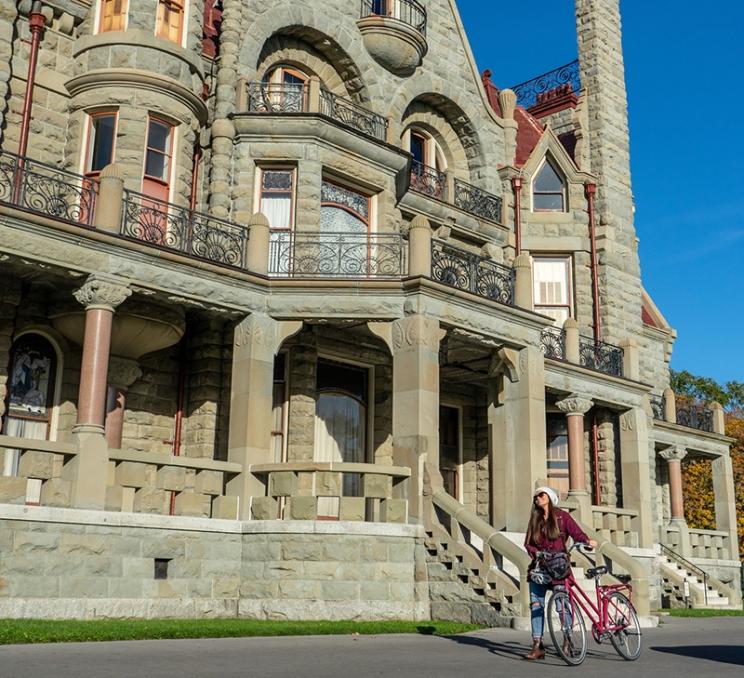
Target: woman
x=548, y=529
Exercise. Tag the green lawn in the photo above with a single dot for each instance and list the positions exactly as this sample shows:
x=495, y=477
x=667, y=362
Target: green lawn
x=51, y=631
x=704, y=613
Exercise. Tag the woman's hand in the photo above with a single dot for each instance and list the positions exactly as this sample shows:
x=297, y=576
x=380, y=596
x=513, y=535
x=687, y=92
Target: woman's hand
x=592, y=543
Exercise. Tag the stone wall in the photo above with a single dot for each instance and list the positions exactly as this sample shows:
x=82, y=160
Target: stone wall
x=8, y=18
x=59, y=563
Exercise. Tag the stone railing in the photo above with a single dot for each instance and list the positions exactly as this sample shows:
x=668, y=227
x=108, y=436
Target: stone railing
x=428, y=180
x=46, y=190
x=456, y=267
x=312, y=254
x=145, y=482
x=331, y=490
x=553, y=343
x=408, y=11
x=40, y=474
x=528, y=92
x=182, y=230
x=476, y=201
x=713, y=544
x=501, y=563
x=619, y=526
x=353, y=115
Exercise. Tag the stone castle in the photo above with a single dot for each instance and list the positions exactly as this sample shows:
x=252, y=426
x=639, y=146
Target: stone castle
x=297, y=308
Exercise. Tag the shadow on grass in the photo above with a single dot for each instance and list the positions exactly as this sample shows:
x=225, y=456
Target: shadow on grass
x=726, y=654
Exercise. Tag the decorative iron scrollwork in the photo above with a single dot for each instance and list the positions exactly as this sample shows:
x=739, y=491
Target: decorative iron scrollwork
x=427, y=180
x=527, y=92
x=277, y=97
x=601, y=356
x=408, y=11
x=553, y=342
x=477, y=201
x=353, y=115
x=695, y=416
x=658, y=407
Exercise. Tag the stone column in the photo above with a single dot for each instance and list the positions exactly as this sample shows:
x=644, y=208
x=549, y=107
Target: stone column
x=257, y=260
x=516, y=433
x=123, y=372
x=571, y=328
x=670, y=406
x=575, y=407
x=636, y=471
x=256, y=340
x=674, y=456
x=725, y=501
x=508, y=103
x=523, y=281
x=100, y=295
x=107, y=216
x=415, y=344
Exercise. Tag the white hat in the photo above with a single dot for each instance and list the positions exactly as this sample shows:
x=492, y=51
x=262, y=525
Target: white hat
x=550, y=492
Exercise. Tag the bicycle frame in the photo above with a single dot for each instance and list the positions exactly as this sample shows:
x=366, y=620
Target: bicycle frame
x=598, y=614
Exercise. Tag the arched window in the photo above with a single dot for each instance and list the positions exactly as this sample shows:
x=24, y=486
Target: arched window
x=342, y=209
x=340, y=423
x=429, y=163
x=33, y=367
x=285, y=89
x=548, y=189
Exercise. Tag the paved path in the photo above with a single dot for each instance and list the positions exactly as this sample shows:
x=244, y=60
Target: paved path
x=679, y=648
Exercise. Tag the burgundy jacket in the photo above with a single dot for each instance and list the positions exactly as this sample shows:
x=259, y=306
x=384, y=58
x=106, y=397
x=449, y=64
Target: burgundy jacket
x=568, y=527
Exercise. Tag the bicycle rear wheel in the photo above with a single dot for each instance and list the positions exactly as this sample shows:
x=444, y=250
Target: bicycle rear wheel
x=567, y=629
x=625, y=631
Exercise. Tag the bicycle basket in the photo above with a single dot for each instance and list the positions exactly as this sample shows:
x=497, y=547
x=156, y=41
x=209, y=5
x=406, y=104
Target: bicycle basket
x=557, y=565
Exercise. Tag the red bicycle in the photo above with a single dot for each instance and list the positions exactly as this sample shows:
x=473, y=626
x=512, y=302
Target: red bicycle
x=613, y=617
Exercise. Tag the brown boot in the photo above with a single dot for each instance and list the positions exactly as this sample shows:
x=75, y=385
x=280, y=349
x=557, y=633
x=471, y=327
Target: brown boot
x=537, y=651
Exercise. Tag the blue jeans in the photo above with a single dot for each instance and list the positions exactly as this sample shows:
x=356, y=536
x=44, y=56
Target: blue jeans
x=537, y=608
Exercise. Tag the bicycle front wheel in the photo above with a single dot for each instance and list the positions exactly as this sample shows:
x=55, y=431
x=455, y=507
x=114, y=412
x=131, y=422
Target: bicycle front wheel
x=625, y=631
x=567, y=629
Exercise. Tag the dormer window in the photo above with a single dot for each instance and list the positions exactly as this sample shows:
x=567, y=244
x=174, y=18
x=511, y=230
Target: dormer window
x=548, y=189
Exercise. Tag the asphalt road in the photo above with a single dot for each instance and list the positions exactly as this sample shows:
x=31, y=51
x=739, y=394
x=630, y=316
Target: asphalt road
x=678, y=648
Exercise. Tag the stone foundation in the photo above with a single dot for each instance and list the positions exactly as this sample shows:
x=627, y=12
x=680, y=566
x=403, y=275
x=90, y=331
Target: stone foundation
x=62, y=563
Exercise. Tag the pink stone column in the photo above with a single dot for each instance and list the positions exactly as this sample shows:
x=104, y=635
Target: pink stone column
x=100, y=298
x=674, y=457
x=575, y=407
x=122, y=373
x=115, y=419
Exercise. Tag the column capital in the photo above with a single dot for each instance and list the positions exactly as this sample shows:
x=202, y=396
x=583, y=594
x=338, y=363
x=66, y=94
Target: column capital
x=673, y=453
x=574, y=405
x=417, y=331
x=102, y=292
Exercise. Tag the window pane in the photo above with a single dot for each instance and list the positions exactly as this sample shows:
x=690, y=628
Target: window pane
x=277, y=208
x=548, y=201
x=339, y=377
x=358, y=202
x=156, y=165
x=548, y=180
x=102, y=142
x=418, y=148
x=337, y=220
x=277, y=179
x=551, y=281
x=158, y=136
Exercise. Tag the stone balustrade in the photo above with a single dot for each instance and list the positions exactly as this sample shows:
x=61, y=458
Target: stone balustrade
x=41, y=477
x=331, y=490
x=619, y=526
x=163, y=484
x=712, y=544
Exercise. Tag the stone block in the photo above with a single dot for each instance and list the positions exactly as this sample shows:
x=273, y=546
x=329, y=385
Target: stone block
x=374, y=590
x=327, y=484
x=119, y=498
x=56, y=492
x=226, y=587
x=339, y=590
x=209, y=482
x=394, y=511
x=171, y=478
x=193, y=504
x=352, y=508
x=282, y=484
x=12, y=490
x=131, y=474
x=303, y=508
x=264, y=508
x=225, y=508
x=302, y=550
x=149, y=500
x=305, y=484
x=34, y=464
x=377, y=486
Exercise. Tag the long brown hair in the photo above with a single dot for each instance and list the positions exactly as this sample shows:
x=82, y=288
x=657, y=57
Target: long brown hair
x=540, y=526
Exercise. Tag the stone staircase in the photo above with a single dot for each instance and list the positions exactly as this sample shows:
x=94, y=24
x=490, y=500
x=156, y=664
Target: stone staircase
x=701, y=593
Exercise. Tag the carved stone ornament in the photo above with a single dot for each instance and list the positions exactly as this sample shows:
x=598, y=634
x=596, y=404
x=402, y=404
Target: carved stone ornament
x=574, y=405
x=101, y=293
x=417, y=331
x=260, y=331
x=123, y=372
x=673, y=453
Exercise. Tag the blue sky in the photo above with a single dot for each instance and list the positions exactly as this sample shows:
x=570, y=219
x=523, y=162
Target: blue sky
x=683, y=66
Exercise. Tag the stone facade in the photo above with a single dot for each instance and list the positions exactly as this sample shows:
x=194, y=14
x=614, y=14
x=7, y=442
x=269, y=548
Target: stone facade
x=211, y=351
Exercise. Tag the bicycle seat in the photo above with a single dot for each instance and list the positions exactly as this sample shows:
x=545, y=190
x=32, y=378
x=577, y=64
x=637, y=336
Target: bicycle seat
x=596, y=571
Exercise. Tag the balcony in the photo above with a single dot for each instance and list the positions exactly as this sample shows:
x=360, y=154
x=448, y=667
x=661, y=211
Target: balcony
x=477, y=202
x=456, y=267
x=553, y=343
x=282, y=98
x=565, y=79
x=179, y=229
x=429, y=181
x=683, y=413
x=312, y=254
x=593, y=355
x=45, y=190
x=394, y=33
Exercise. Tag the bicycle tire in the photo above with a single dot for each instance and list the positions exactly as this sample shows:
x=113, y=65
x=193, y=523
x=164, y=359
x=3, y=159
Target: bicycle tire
x=569, y=643
x=626, y=641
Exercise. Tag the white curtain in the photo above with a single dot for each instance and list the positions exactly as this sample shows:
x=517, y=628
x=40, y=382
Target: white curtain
x=551, y=288
x=277, y=209
x=339, y=436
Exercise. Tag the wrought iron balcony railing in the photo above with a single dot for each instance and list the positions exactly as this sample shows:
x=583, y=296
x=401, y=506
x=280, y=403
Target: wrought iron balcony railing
x=429, y=181
x=527, y=92
x=601, y=356
x=456, y=267
x=658, y=407
x=553, y=342
x=695, y=416
x=477, y=201
x=270, y=97
x=313, y=254
x=182, y=230
x=353, y=115
x=43, y=189
x=408, y=11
